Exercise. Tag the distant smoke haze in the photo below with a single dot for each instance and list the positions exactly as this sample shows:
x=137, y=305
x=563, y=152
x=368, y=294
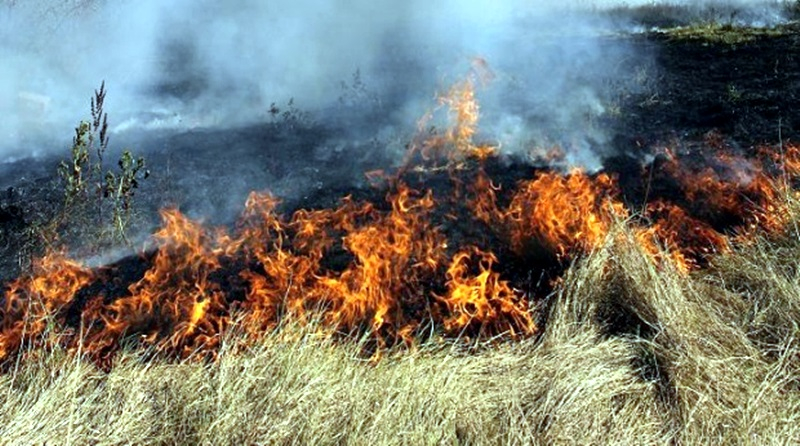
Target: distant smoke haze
x=202, y=63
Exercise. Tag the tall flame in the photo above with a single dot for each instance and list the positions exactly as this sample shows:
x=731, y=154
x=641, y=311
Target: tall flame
x=175, y=306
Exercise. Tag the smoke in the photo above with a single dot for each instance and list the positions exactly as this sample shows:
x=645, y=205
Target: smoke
x=200, y=63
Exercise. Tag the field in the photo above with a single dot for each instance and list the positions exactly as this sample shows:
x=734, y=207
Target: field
x=430, y=288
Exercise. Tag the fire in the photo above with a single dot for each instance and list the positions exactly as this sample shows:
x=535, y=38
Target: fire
x=175, y=306
x=457, y=142
x=562, y=213
x=790, y=160
x=33, y=303
x=396, y=269
x=395, y=254
x=392, y=254
x=284, y=274
x=464, y=113
x=734, y=187
x=483, y=299
x=688, y=239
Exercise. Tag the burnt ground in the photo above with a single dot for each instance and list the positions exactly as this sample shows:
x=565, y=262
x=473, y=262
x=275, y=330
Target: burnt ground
x=744, y=92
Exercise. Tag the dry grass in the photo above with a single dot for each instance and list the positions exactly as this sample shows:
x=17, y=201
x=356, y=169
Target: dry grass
x=633, y=353
x=726, y=33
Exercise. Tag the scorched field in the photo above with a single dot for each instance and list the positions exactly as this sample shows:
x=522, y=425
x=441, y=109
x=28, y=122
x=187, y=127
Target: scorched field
x=499, y=231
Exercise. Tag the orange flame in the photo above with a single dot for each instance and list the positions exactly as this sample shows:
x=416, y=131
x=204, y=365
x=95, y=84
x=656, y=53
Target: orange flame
x=739, y=187
x=386, y=268
x=560, y=212
x=457, y=142
x=391, y=255
x=175, y=306
x=564, y=212
x=483, y=300
x=31, y=302
x=687, y=239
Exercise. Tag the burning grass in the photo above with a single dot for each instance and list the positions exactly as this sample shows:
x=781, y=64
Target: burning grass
x=634, y=351
x=389, y=269
x=555, y=307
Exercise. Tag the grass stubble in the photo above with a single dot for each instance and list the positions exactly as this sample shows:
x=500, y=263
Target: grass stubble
x=633, y=352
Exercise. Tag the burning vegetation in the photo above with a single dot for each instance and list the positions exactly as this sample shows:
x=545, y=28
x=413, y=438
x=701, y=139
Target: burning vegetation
x=471, y=258
x=472, y=292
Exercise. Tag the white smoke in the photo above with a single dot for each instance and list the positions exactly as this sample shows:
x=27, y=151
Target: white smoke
x=201, y=63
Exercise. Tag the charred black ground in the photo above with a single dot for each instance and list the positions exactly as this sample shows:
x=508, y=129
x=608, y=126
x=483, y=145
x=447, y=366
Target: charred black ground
x=746, y=91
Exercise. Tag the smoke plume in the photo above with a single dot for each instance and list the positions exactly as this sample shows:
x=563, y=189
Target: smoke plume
x=200, y=63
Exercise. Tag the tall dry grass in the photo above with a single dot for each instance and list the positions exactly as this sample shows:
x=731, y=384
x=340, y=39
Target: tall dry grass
x=633, y=352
